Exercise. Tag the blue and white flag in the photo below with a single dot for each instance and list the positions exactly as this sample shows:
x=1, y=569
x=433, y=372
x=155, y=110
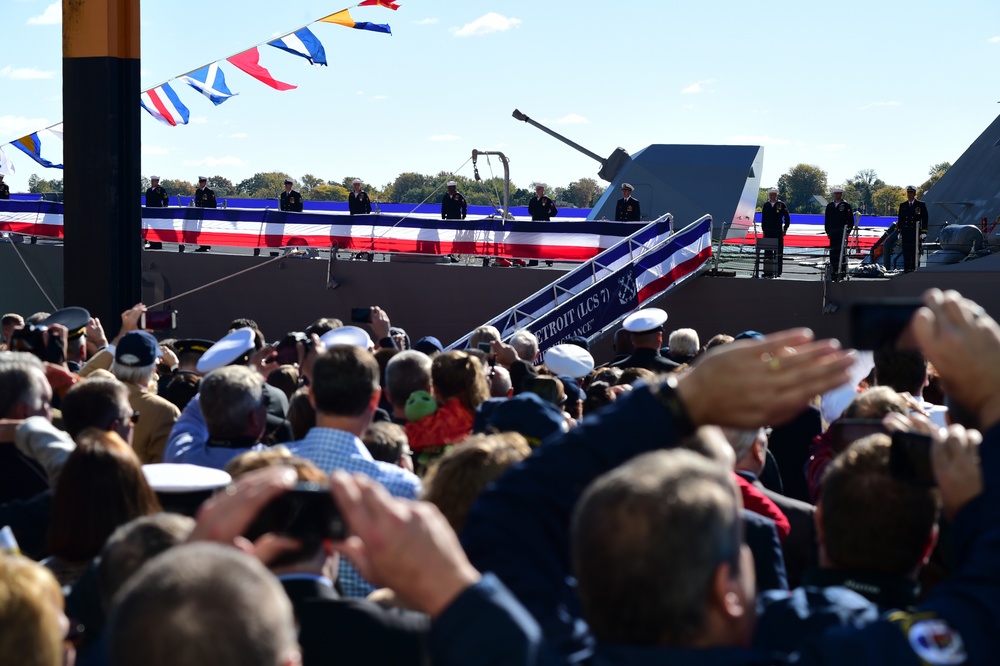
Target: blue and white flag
x=210, y=82
x=6, y=166
x=304, y=44
x=164, y=105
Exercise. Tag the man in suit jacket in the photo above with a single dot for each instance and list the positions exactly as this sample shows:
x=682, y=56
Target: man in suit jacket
x=358, y=202
x=800, y=547
x=156, y=197
x=540, y=206
x=453, y=205
x=291, y=201
x=627, y=208
x=204, y=197
x=911, y=221
x=838, y=220
x=774, y=220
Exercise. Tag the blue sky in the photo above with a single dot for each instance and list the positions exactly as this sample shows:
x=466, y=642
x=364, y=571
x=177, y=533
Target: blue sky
x=892, y=86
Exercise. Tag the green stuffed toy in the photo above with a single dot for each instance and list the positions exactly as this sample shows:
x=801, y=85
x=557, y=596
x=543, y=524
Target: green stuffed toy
x=419, y=405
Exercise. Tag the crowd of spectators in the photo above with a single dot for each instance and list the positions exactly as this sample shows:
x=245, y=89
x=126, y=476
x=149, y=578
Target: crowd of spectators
x=349, y=496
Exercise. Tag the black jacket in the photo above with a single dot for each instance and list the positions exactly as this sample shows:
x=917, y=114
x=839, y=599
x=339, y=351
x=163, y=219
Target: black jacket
x=291, y=202
x=359, y=204
x=157, y=197
x=542, y=209
x=651, y=359
x=774, y=219
x=454, y=207
x=627, y=211
x=913, y=217
x=837, y=217
x=205, y=198
x=334, y=630
x=4, y=191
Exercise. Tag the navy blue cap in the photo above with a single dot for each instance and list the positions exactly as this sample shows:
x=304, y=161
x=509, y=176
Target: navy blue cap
x=749, y=335
x=572, y=389
x=75, y=320
x=429, y=345
x=137, y=349
x=577, y=340
x=528, y=414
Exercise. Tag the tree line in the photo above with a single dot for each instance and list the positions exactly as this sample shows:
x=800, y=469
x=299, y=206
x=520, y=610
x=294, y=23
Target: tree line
x=865, y=191
x=409, y=187
x=798, y=188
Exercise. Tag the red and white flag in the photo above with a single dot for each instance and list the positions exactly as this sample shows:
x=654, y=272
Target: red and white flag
x=249, y=62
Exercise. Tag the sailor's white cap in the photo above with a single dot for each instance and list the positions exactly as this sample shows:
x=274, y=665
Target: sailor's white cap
x=541, y=185
x=183, y=478
x=645, y=320
x=351, y=336
x=627, y=186
x=773, y=190
x=911, y=188
x=154, y=177
x=226, y=350
x=357, y=181
x=452, y=183
x=837, y=189
x=571, y=360
x=289, y=181
x=201, y=178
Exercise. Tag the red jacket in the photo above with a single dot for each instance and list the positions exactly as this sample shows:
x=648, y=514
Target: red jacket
x=451, y=423
x=761, y=504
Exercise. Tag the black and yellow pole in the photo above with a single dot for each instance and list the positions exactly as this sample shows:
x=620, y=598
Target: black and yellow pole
x=101, y=181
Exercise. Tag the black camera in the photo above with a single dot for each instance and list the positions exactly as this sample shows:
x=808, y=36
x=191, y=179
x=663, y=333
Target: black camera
x=306, y=512
x=287, y=351
x=38, y=340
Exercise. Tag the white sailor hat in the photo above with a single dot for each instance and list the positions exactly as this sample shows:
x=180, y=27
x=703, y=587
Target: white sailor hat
x=541, y=185
x=225, y=351
x=452, y=183
x=837, y=189
x=183, y=478
x=773, y=190
x=201, y=178
x=911, y=188
x=154, y=177
x=646, y=320
x=289, y=181
x=357, y=181
x=571, y=360
x=627, y=186
x=351, y=336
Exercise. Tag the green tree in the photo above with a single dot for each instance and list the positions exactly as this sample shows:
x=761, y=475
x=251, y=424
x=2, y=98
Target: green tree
x=177, y=188
x=223, y=187
x=38, y=185
x=327, y=192
x=936, y=171
x=267, y=185
x=143, y=184
x=859, y=190
x=798, y=187
x=888, y=198
x=309, y=181
x=581, y=193
x=761, y=197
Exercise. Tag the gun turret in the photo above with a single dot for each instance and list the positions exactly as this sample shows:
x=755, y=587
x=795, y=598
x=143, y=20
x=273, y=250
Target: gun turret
x=609, y=167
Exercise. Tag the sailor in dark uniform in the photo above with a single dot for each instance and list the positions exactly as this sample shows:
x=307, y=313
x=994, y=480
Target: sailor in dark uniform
x=774, y=220
x=357, y=201
x=4, y=189
x=156, y=197
x=204, y=197
x=646, y=327
x=911, y=222
x=291, y=201
x=540, y=206
x=627, y=209
x=838, y=220
x=453, y=206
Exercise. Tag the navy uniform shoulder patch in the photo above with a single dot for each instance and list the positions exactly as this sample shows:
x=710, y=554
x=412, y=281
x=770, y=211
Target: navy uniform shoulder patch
x=931, y=638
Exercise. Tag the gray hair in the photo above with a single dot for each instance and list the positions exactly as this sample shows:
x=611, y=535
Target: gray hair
x=743, y=440
x=684, y=342
x=406, y=372
x=140, y=375
x=22, y=379
x=228, y=396
x=483, y=334
x=201, y=603
x=525, y=344
x=500, y=382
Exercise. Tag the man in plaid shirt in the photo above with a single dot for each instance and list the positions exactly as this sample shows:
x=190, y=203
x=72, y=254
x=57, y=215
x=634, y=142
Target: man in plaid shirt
x=345, y=392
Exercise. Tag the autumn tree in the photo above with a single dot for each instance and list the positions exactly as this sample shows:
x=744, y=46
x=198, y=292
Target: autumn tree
x=798, y=187
x=859, y=190
x=267, y=185
x=887, y=199
x=935, y=172
x=222, y=186
x=177, y=187
x=38, y=185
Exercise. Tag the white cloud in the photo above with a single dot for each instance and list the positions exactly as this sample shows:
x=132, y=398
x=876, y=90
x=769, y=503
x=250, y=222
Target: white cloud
x=696, y=87
x=229, y=160
x=444, y=137
x=877, y=104
x=572, y=119
x=18, y=126
x=24, y=73
x=762, y=140
x=995, y=40
x=155, y=150
x=486, y=24
x=834, y=147
x=51, y=16
x=426, y=21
